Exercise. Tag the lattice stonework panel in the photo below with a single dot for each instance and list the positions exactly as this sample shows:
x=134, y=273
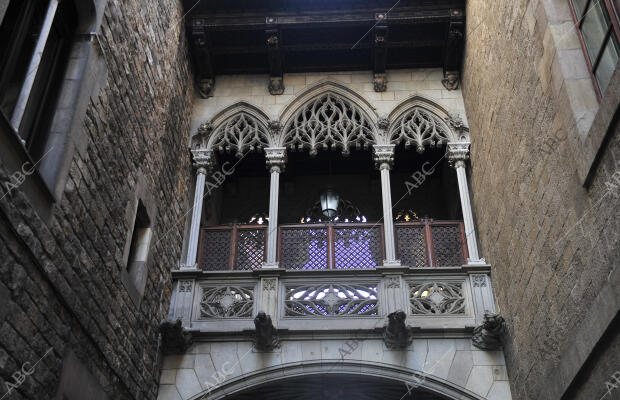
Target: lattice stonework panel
x=444, y=297
x=357, y=247
x=227, y=302
x=411, y=246
x=250, y=249
x=214, y=250
x=447, y=245
x=304, y=249
x=331, y=300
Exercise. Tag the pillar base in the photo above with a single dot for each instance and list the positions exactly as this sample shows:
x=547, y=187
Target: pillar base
x=274, y=265
x=390, y=264
x=480, y=261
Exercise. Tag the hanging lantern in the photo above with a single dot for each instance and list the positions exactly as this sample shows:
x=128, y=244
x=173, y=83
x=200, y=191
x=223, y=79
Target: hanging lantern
x=329, y=203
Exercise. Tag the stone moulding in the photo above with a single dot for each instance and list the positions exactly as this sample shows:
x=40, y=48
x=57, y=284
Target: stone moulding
x=331, y=116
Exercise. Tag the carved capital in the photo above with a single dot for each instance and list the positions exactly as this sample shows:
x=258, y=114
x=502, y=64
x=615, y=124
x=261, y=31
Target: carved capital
x=451, y=80
x=276, y=158
x=458, y=153
x=488, y=335
x=380, y=82
x=206, y=86
x=276, y=85
x=174, y=338
x=383, y=155
x=203, y=158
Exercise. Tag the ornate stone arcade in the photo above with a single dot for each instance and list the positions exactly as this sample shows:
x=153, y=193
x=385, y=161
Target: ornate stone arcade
x=335, y=302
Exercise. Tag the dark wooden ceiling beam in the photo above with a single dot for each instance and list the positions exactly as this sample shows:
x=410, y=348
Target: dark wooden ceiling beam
x=260, y=49
x=353, y=18
x=274, y=54
x=380, y=50
x=203, y=63
x=453, y=50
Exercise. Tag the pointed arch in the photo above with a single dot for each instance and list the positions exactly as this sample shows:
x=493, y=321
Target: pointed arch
x=408, y=378
x=419, y=122
x=239, y=128
x=328, y=115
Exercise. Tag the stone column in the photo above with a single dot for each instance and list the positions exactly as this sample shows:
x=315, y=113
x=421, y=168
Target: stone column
x=201, y=161
x=457, y=155
x=384, y=159
x=276, y=160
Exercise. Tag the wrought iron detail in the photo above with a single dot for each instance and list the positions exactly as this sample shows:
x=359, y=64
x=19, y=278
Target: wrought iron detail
x=250, y=248
x=437, y=297
x=304, y=249
x=329, y=122
x=411, y=245
x=343, y=300
x=215, y=250
x=357, y=247
x=419, y=128
x=227, y=302
x=447, y=245
x=239, y=134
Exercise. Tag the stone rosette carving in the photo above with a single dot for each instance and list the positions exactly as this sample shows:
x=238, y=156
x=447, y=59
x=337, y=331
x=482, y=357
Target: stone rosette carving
x=266, y=337
x=488, y=335
x=175, y=338
x=397, y=335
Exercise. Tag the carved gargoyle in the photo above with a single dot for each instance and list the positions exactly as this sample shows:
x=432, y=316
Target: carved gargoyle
x=397, y=334
x=174, y=338
x=488, y=336
x=266, y=338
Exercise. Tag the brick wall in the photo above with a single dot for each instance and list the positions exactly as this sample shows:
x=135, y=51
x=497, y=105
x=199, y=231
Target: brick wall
x=60, y=279
x=553, y=244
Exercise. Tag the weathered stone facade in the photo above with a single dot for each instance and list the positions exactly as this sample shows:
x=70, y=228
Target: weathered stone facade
x=61, y=282
x=553, y=241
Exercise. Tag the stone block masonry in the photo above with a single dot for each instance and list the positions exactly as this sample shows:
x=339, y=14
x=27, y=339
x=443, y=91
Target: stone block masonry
x=553, y=243
x=60, y=277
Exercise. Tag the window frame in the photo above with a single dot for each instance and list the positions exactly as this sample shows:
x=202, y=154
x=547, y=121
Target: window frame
x=614, y=29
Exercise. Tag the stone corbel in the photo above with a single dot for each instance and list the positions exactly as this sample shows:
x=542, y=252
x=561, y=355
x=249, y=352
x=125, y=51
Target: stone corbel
x=174, y=337
x=206, y=86
x=397, y=335
x=380, y=82
x=488, y=335
x=451, y=80
x=266, y=337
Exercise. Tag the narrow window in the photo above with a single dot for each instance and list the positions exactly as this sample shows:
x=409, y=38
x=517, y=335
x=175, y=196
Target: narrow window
x=33, y=61
x=599, y=33
x=140, y=241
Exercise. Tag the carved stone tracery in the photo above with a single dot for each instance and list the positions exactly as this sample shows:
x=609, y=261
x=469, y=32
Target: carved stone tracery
x=240, y=133
x=419, y=128
x=328, y=122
